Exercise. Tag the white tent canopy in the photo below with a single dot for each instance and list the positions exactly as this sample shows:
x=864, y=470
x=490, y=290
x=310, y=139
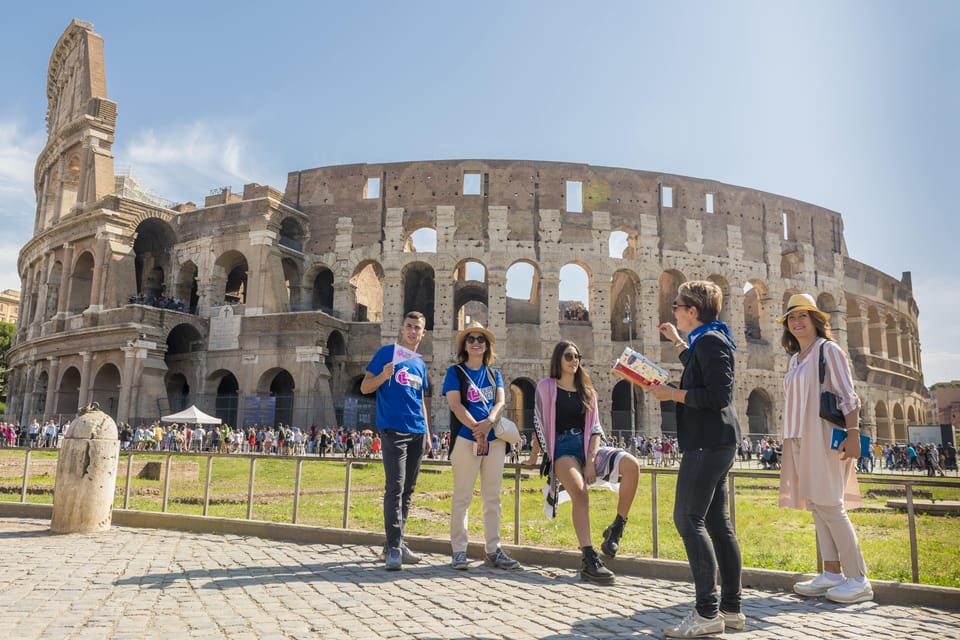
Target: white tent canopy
x=192, y=416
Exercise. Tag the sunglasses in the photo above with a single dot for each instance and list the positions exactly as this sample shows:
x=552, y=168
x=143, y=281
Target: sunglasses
x=570, y=357
x=477, y=339
x=681, y=306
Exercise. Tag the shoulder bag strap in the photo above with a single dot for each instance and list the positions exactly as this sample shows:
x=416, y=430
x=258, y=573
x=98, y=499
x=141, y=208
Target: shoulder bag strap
x=473, y=384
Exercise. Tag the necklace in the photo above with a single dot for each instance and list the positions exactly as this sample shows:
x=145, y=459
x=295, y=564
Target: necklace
x=803, y=352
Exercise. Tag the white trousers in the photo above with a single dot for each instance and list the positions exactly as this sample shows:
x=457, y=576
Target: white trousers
x=466, y=466
x=837, y=539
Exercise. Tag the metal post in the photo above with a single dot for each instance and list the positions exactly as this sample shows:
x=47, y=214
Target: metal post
x=628, y=320
x=126, y=486
x=296, y=489
x=653, y=508
x=516, y=505
x=346, y=495
x=253, y=470
x=912, y=523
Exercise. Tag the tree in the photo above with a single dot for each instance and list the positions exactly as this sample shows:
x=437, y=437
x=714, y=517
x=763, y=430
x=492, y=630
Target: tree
x=7, y=331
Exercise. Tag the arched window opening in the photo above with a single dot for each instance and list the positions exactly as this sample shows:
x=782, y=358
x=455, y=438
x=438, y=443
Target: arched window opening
x=423, y=240
x=178, y=391
x=321, y=298
x=721, y=282
x=523, y=294
x=291, y=234
x=752, y=326
x=855, y=324
x=899, y=423
x=227, y=399
x=574, y=293
x=520, y=405
x=81, y=283
x=760, y=414
x=40, y=395
x=291, y=282
x=875, y=331
x=187, y=292
x=893, y=339
x=152, y=248
x=71, y=186
x=367, y=281
x=627, y=407
x=282, y=388
x=419, y=290
x=670, y=281
x=106, y=389
x=624, y=245
x=624, y=310
x=53, y=289
x=68, y=393
x=884, y=424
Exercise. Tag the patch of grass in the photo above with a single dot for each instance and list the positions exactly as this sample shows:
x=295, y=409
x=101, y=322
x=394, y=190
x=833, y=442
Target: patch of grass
x=770, y=537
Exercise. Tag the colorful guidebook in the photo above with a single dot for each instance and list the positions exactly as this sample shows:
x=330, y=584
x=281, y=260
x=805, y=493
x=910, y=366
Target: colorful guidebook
x=633, y=366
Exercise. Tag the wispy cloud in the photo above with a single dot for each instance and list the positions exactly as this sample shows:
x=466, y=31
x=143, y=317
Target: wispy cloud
x=18, y=153
x=186, y=161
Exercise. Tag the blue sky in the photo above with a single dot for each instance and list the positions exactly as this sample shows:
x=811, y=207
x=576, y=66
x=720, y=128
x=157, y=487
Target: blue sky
x=850, y=105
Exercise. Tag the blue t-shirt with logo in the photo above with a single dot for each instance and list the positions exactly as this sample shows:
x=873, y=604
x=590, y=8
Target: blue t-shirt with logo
x=400, y=399
x=472, y=402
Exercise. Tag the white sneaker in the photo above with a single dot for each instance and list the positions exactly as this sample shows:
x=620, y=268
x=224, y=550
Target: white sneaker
x=736, y=621
x=696, y=626
x=852, y=590
x=818, y=586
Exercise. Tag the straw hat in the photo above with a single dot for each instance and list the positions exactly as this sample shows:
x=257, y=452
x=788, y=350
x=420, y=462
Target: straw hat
x=474, y=327
x=802, y=302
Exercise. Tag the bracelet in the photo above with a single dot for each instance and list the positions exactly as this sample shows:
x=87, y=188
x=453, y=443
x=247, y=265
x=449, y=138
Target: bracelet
x=680, y=343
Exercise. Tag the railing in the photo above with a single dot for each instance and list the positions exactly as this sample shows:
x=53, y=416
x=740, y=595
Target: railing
x=516, y=469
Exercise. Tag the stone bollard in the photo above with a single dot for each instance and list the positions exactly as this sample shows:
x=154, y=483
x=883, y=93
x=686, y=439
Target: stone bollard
x=86, y=474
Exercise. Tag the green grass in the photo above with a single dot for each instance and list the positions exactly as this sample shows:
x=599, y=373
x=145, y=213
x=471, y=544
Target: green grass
x=770, y=537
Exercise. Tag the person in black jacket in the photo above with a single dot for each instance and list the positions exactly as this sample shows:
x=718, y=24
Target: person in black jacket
x=708, y=432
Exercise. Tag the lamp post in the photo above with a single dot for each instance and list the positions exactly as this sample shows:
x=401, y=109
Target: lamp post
x=628, y=320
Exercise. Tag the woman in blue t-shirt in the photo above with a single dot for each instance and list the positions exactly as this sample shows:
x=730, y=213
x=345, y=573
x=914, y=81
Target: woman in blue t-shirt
x=474, y=391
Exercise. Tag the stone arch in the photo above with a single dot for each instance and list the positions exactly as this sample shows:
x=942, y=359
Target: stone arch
x=521, y=403
x=223, y=384
x=523, y=293
x=53, y=289
x=826, y=302
x=884, y=425
x=152, y=249
x=875, y=331
x=899, y=423
x=81, y=282
x=756, y=311
x=321, y=288
x=367, y=281
x=624, y=415
x=230, y=276
x=854, y=326
x=670, y=280
x=906, y=342
x=624, y=244
x=184, y=339
x=291, y=282
x=625, y=306
x=49, y=203
x=71, y=185
x=279, y=384
x=470, y=293
x=40, y=389
x=911, y=415
x=291, y=234
x=178, y=391
x=893, y=337
x=422, y=239
x=187, y=288
x=574, y=292
x=419, y=290
x=106, y=388
x=68, y=392
x=760, y=414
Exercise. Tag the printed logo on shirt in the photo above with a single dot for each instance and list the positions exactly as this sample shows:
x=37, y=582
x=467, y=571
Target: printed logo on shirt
x=474, y=396
x=408, y=379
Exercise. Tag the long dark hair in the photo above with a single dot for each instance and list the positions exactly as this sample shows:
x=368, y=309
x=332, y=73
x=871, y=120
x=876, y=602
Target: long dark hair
x=581, y=379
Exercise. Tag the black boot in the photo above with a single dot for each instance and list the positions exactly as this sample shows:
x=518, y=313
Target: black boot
x=592, y=569
x=612, y=535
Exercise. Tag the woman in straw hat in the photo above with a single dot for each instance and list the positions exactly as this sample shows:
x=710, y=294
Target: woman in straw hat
x=474, y=391
x=813, y=476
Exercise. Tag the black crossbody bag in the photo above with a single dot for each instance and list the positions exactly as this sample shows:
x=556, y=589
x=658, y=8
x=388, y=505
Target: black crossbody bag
x=829, y=403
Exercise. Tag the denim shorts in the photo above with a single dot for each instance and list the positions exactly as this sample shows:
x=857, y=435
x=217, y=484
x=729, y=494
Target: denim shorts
x=569, y=444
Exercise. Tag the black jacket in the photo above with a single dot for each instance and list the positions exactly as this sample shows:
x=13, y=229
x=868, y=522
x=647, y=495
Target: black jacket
x=707, y=418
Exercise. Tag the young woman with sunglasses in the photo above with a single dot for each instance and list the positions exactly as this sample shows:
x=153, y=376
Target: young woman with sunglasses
x=567, y=422
x=474, y=391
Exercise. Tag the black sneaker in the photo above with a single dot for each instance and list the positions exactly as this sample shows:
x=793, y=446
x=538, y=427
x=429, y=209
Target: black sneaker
x=611, y=537
x=592, y=569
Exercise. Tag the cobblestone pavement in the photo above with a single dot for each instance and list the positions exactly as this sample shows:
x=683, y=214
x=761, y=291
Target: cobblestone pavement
x=149, y=583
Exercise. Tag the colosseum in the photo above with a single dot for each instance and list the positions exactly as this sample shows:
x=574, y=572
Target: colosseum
x=265, y=306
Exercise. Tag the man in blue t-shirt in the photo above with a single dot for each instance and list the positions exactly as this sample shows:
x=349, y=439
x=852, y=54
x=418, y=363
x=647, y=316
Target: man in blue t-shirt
x=399, y=376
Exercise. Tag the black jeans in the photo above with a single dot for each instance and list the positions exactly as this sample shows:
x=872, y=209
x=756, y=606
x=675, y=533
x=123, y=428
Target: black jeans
x=703, y=522
x=402, y=453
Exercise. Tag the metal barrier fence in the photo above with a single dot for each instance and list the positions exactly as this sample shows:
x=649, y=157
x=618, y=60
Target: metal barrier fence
x=653, y=471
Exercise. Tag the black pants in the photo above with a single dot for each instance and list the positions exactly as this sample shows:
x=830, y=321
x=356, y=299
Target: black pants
x=702, y=519
x=402, y=453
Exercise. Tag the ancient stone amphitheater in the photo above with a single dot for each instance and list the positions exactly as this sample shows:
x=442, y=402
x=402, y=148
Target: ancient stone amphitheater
x=264, y=306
